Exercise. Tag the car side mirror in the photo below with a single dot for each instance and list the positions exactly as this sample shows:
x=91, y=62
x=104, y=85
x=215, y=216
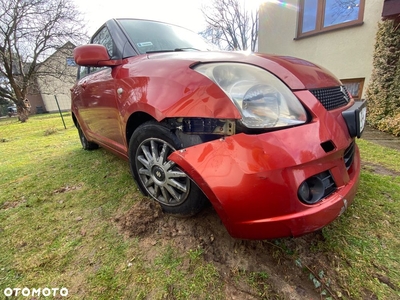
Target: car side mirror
x=94, y=55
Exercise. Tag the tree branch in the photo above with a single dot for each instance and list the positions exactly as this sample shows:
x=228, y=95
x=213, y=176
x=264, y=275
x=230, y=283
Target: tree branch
x=230, y=26
x=30, y=31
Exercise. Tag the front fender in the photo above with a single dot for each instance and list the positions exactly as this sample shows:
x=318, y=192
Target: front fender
x=163, y=93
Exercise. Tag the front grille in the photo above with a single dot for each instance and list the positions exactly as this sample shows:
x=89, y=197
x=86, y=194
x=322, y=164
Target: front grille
x=349, y=155
x=332, y=98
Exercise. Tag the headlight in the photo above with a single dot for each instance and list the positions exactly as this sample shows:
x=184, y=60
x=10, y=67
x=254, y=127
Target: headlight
x=262, y=99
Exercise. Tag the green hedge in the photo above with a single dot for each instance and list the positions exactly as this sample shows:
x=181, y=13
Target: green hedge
x=383, y=93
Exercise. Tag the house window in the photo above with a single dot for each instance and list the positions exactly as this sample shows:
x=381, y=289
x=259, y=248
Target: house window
x=71, y=62
x=317, y=16
x=354, y=86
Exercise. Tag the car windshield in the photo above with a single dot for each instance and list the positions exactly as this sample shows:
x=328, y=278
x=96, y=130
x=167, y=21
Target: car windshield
x=150, y=36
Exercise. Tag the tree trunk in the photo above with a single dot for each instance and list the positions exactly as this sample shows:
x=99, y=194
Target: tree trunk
x=22, y=111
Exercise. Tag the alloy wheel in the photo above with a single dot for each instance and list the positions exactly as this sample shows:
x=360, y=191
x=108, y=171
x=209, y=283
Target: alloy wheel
x=162, y=179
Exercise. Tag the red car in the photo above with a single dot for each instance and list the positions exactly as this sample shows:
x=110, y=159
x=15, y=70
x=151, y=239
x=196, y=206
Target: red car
x=268, y=140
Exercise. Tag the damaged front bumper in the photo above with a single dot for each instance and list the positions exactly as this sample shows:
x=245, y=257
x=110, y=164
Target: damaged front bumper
x=253, y=180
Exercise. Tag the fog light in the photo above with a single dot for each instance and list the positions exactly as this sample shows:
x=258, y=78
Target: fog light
x=304, y=192
x=312, y=190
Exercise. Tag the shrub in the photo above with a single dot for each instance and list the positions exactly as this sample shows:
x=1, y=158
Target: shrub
x=383, y=93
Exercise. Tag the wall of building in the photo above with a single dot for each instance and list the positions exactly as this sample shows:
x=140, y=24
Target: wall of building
x=64, y=101
x=56, y=79
x=36, y=102
x=346, y=52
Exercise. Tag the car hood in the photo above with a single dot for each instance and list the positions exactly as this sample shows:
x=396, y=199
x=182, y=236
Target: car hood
x=297, y=73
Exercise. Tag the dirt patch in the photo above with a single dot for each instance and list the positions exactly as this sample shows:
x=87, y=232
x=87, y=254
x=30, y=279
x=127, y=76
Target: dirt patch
x=296, y=270
x=286, y=279
x=67, y=188
x=141, y=220
x=379, y=169
x=12, y=204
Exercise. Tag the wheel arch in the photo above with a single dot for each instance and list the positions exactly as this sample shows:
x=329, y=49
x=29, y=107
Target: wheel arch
x=194, y=198
x=74, y=119
x=134, y=121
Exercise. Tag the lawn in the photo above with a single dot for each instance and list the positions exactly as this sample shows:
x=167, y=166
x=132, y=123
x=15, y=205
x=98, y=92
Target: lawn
x=65, y=223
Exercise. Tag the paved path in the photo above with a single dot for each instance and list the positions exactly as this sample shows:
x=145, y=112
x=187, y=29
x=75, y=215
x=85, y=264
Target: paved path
x=381, y=138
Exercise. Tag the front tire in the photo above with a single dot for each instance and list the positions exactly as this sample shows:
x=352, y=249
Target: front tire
x=160, y=178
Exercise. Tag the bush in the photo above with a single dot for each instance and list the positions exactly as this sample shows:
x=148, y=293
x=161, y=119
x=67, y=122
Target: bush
x=383, y=93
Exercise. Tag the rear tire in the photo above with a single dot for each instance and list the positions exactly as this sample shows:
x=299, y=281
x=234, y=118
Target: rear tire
x=159, y=178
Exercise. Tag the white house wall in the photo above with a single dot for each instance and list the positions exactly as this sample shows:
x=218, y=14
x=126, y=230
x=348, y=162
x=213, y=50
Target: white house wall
x=60, y=81
x=348, y=52
x=64, y=100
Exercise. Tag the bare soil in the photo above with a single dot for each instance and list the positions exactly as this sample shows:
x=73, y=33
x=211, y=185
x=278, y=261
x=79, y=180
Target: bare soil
x=230, y=256
x=290, y=263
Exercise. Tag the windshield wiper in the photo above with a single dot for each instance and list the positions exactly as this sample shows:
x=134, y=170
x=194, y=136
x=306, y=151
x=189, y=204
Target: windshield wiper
x=187, y=48
x=158, y=51
x=174, y=50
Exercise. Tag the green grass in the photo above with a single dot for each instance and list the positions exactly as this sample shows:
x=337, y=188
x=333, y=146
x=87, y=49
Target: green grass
x=387, y=157
x=58, y=203
x=361, y=249
x=367, y=241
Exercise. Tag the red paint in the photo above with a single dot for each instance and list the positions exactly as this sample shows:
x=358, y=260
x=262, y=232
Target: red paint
x=251, y=180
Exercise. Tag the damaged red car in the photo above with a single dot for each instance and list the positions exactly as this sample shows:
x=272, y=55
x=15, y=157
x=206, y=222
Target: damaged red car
x=268, y=140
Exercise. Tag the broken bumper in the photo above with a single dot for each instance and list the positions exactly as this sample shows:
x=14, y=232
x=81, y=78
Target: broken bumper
x=253, y=180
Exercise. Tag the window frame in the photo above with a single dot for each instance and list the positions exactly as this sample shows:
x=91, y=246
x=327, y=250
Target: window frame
x=99, y=38
x=319, y=26
x=82, y=72
x=94, y=40
x=359, y=81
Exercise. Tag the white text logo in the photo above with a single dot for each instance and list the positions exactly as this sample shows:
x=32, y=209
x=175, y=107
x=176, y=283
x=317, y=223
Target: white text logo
x=27, y=292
